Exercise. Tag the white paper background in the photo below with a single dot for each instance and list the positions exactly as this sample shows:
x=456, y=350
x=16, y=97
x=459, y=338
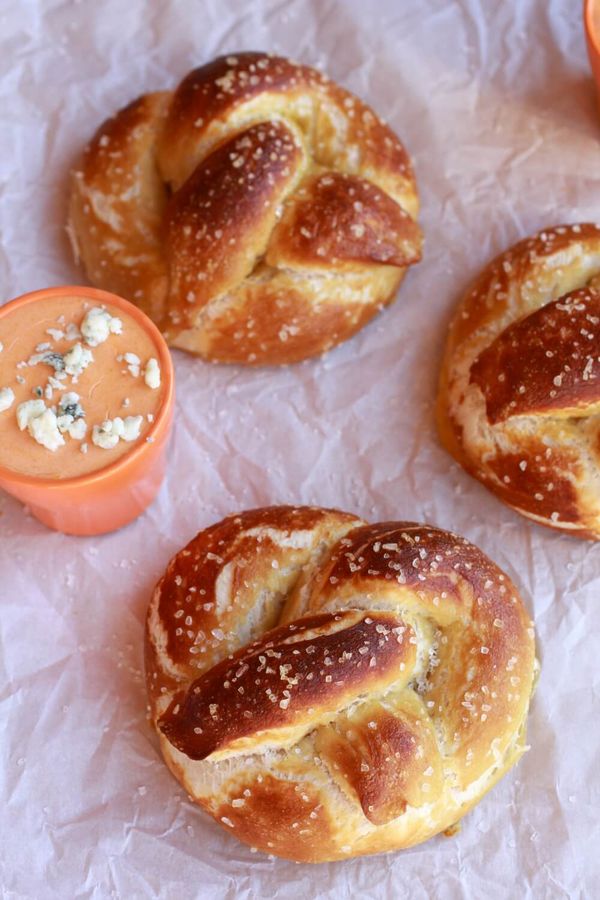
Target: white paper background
x=495, y=103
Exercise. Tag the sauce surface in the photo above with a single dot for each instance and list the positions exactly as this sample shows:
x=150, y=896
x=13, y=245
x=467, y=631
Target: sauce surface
x=107, y=388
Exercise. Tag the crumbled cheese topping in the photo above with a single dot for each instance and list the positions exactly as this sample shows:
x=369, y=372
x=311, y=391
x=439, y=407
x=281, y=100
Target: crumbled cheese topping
x=104, y=436
x=152, y=374
x=55, y=333
x=131, y=427
x=29, y=410
x=7, y=398
x=46, y=427
x=107, y=434
x=133, y=363
x=64, y=423
x=69, y=405
x=73, y=333
x=55, y=360
x=77, y=429
x=44, y=430
x=77, y=359
x=98, y=325
x=49, y=424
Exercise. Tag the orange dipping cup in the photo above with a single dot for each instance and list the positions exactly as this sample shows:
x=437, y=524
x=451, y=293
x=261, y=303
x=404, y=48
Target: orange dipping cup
x=591, y=18
x=112, y=495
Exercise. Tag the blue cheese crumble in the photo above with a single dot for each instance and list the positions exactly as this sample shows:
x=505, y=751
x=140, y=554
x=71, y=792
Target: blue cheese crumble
x=71, y=416
x=44, y=430
x=73, y=362
x=69, y=405
x=132, y=361
x=7, y=398
x=27, y=411
x=76, y=428
x=152, y=374
x=47, y=425
x=77, y=359
x=98, y=325
x=108, y=434
x=41, y=423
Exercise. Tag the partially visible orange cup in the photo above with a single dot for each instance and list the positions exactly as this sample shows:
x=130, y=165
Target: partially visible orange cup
x=591, y=19
x=113, y=495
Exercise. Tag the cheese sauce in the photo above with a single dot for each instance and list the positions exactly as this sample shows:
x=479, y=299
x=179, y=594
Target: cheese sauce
x=36, y=364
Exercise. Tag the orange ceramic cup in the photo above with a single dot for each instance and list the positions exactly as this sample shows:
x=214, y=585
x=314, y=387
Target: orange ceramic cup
x=591, y=18
x=113, y=495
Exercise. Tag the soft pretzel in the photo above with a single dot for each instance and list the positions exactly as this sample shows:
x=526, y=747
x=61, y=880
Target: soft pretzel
x=520, y=387
x=259, y=213
x=326, y=688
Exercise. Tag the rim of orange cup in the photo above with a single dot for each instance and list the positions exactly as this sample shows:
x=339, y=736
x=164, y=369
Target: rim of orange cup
x=162, y=419
x=592, y=33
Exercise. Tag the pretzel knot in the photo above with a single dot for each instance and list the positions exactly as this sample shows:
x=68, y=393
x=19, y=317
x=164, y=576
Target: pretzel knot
x=520, y=388
x=259, y=213
x=326, y=688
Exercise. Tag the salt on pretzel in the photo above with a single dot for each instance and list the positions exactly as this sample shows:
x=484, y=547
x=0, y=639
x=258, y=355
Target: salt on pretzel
x=326, y=688
x=520, y=386
x=259, y=213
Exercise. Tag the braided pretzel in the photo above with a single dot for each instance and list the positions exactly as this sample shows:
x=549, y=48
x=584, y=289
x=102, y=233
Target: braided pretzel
x=520, y=387
x=326, y=688
x=259, y=214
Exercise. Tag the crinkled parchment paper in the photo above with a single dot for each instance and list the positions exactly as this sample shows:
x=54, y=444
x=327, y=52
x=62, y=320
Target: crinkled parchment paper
x=495, y=102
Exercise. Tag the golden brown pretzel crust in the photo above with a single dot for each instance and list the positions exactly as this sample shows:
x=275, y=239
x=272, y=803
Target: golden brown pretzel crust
x=520, y=391
x=326, y=688
x=259, y=214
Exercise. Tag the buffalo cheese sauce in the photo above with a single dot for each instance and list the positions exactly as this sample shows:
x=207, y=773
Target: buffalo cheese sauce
x=80, y=386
